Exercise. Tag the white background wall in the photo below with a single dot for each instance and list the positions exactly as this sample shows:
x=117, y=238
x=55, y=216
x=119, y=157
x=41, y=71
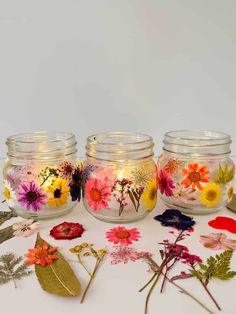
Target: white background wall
x=86, y=66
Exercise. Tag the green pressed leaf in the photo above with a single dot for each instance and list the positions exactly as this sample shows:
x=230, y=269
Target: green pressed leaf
x=9, y=270
x=217, y=267
x=57, y=278
x=6, y=234
x=225, y=175
x=4, y=216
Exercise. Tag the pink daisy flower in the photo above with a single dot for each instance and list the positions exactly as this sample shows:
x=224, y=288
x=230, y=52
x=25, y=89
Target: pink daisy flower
x=165, y=183
x=123, y=236
x=31, y=196
x=123, y=254
x=106, y=175
x=97, y=194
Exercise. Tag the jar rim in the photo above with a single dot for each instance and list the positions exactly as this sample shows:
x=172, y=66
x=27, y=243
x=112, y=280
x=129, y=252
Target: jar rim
x=197, y=137
x=39, y=137
x=197, y=142
x=119, y=146
x=98, y=138
x=41, y=145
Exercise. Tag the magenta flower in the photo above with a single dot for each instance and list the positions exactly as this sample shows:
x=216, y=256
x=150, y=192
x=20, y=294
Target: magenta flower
x=190, y=259
x=31, y=196
x=123, y=254
x=165, y=183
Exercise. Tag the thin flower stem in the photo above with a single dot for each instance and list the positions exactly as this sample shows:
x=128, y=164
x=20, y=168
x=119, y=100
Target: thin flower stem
x=148, y=283
x=190, y=295
x=164, y=279
x=166, y=272
x=154, y=283
x=98, y=261
x=45, y=179
x=150, y=292
x=207, y=291
x=179, y=236
x=160, y=271
x=82, y=264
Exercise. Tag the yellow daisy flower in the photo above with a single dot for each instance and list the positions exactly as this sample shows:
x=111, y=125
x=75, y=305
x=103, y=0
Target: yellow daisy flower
x=211, y=195
x=149, y=196
x=60, y=192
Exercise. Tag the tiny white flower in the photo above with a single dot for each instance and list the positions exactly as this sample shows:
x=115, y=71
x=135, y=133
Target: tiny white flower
x=25, y=228
x=9, y=193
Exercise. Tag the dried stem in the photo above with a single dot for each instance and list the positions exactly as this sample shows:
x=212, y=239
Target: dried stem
x=207, y=290
x=148, y=283
x=98, y=261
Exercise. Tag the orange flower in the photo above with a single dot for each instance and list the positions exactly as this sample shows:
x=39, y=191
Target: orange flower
x=172, y=166
x=195, y=175
x=41, y=255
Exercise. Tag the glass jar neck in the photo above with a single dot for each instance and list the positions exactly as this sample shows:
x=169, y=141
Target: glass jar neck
x=40, y=146
x=119, y=146
x=197, y=143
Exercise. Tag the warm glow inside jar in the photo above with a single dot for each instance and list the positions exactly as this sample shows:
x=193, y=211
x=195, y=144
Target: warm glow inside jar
x=119, y=176
x=42, y=176
x=195, y=173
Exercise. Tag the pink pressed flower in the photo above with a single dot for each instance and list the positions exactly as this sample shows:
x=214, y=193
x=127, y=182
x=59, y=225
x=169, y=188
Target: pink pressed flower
x=123, y=254
x=218, y=241
x=13, y=176
x=66, y=169
x=165, y=183
x=106, y=175
x=175, y=250
x=190, y=259
x=123, y=236
x=31, y=196
x=29, y=173
x=97, y=194
x=25, y=228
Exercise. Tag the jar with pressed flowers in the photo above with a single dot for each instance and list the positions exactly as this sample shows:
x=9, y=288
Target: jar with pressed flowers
x=195, y=172
x=42, y=175
x=119, y=176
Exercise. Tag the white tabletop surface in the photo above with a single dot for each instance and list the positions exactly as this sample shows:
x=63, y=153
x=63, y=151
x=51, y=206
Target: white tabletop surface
x=115, y=288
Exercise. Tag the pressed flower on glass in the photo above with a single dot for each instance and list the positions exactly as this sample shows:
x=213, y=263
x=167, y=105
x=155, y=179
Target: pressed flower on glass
x=119, y=176
x=195, y=172
x=42, y=176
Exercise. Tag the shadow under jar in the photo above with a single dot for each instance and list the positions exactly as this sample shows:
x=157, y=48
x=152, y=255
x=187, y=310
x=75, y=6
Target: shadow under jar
x=119, y=176
x=195, y=172
x=42, y=176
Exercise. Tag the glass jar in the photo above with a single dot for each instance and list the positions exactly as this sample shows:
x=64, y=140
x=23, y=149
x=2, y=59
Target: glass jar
x=119, y=176
x=42, y=176
x=195, y=173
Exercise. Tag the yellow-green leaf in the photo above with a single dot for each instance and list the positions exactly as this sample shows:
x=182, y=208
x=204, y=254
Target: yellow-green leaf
x=225, y=175
x=57, y=278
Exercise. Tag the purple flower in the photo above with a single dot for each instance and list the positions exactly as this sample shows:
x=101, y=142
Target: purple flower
x=174, y=218
x=87, y=171
x=31, y=196
x=75, y=184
